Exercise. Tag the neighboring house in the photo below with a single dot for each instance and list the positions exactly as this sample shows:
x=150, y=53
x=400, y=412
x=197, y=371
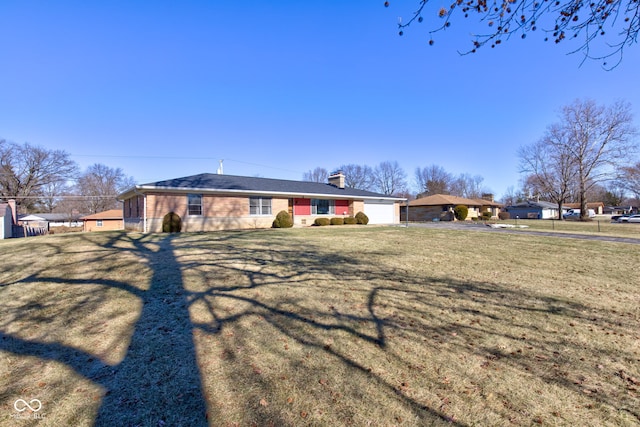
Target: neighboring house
x=7, y=216
x=533, y=210
x=620, y=210
x=32, y=220
x=30, y=225
x=47, y=220
x=102, y=221
x=61, y=219
x=207, y=202
x=598, y=207
x=487, y=204
x=439, y=207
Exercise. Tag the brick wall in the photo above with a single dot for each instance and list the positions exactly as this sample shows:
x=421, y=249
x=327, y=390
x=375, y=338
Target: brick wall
x=218, y=212
x=107, y=224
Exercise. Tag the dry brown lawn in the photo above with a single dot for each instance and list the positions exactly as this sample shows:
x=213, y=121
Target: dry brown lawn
x=601, y=226
x=319, y=326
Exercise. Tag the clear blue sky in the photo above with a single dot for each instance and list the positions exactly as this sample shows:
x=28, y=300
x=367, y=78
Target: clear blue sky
x=278, y=88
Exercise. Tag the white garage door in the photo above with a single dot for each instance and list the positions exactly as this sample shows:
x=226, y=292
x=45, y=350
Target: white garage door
x=379, y=212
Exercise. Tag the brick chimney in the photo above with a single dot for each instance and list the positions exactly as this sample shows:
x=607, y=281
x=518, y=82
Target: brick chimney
x=14, y=213
x=336, y=179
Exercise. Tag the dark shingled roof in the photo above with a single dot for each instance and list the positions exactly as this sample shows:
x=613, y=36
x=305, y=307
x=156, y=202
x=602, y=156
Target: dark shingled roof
x=533, y=204
x=215, y=182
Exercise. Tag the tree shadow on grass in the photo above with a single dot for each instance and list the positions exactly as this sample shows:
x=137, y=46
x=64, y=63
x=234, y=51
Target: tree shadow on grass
x=501, y=328
x=158, y=381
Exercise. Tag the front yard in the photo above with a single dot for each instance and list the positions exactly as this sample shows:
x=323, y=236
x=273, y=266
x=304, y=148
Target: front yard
x=319, y=326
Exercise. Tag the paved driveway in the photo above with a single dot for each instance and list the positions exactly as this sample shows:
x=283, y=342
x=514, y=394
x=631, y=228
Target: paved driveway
x=479, y=227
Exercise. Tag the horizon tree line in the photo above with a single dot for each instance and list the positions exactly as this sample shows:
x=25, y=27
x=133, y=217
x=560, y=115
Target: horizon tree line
x=49, y=181
x=390, y=179
x=590, y=146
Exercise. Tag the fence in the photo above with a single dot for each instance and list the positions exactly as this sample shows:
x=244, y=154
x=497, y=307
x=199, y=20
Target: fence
x=28, y=231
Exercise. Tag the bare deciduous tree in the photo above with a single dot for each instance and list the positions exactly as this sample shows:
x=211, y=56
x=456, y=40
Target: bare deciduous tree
x=432, y=180
x=600, y=141
x=611, y=194
x=316, y=175
x=587, y=147
x=357, y=176
x=468, y=186
x=52, y=195
x=630, y=179
x=99, y=185
x=25, y=170
x=390, y=178
x=550, y=166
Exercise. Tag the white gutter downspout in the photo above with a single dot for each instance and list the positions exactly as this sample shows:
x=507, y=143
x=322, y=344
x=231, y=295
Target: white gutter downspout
x=144, y=209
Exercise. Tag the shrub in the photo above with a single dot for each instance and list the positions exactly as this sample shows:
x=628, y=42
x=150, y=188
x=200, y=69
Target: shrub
x=321, y=221
x=504, y=215
x=461, y=212
x=350, y=220
x=283, y=220
x=361, y=218
x=337, y=221
x=171, y=223
x=486, y=216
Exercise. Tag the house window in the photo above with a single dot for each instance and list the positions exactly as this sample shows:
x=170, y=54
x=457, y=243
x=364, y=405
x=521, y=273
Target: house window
x=259, y=206
x=194, y=204
x=98, y=223
x=322, y=207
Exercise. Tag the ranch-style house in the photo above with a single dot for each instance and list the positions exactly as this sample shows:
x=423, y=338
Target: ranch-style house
x=207, y=202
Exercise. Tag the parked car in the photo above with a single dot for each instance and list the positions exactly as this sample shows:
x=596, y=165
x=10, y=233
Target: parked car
x=616, y=218
x=631, y=218
x=575, y=214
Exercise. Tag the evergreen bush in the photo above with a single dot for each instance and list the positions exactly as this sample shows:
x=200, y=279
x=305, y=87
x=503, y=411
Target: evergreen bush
x=461, y=212
x=322, y=221
x=504, y=215
x=171, y=223
x=283, y=220
x=350, y=220
x=337, y=221
x=361, y=218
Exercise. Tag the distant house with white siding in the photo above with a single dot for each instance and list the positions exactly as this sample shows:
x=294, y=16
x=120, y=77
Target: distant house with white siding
x=533, y=209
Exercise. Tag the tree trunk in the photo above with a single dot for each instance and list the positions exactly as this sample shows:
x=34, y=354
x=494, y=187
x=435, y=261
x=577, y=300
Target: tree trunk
x=560, y=210
x=583, y=201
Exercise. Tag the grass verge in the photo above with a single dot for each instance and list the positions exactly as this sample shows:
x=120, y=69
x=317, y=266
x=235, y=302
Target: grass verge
x=597, y=227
